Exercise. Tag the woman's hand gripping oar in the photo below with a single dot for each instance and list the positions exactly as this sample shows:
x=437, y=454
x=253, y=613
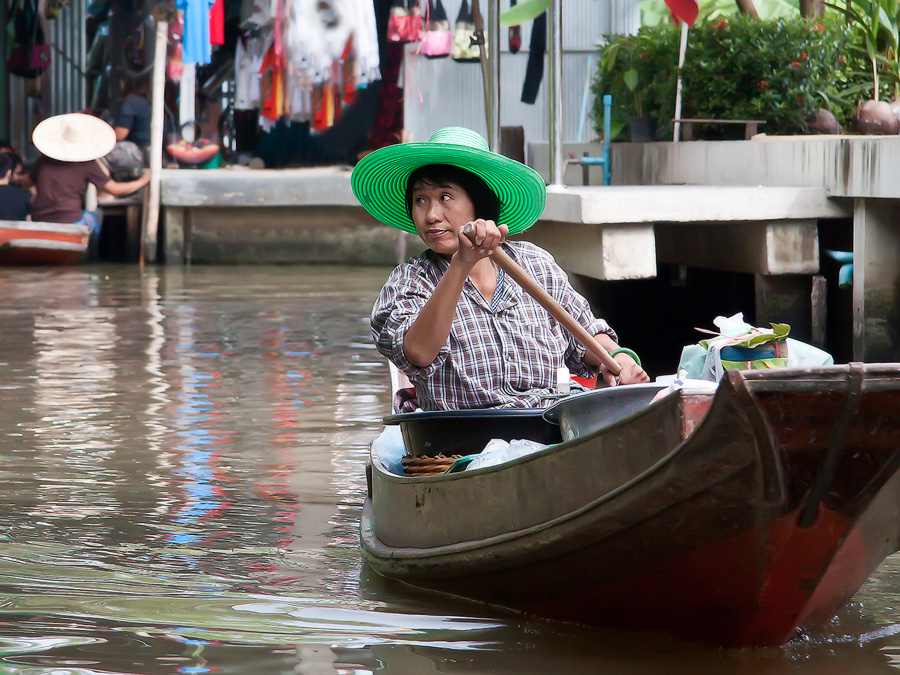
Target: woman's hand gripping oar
x=545, y=300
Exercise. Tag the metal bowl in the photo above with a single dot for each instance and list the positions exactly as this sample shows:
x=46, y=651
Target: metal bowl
x=586, y=413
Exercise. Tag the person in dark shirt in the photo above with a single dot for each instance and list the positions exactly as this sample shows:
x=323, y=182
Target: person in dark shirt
x=133, y=121
x=132, y=127
x=15, y=203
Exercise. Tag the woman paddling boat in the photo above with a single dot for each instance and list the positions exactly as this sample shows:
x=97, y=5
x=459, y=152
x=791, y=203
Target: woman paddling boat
x=464, y=334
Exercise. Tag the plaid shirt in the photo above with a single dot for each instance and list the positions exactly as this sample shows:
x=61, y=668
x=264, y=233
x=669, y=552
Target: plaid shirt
x=503, y=354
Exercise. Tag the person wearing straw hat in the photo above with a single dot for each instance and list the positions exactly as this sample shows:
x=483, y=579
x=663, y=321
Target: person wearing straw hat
x=70, y=147
x=465, y=335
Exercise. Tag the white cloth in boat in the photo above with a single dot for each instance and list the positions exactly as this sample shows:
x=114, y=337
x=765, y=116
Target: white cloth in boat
x=503, y=354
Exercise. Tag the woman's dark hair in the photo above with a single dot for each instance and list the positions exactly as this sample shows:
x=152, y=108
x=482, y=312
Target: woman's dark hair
x=7, y=163
x=487, y=205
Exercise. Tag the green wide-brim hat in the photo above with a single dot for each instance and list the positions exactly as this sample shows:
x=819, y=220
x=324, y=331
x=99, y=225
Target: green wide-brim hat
x=379, y=179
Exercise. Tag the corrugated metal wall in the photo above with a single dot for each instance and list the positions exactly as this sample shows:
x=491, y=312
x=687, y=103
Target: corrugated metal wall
x=442, y=92
x=67, y=71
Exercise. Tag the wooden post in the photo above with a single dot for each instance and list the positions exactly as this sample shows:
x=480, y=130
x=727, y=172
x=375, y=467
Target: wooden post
x=151, y=208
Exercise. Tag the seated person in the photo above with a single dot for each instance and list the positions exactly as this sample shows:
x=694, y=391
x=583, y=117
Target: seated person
x=19, y=177
x=71, y=146
x=465, y=334
x=15, y=203
x=132, y=127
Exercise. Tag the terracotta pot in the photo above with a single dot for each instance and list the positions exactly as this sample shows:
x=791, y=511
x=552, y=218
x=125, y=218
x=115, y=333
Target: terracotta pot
x=876, y=117
x=895, y=106
x=823, y=122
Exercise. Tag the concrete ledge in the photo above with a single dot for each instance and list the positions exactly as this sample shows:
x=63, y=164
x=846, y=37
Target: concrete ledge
x=689, y=204
x=324, y=186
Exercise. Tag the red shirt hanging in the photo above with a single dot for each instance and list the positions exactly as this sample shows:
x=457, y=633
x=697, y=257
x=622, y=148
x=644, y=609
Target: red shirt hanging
x=217, y=23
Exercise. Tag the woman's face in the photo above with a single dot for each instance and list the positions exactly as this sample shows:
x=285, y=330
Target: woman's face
x=439, y=212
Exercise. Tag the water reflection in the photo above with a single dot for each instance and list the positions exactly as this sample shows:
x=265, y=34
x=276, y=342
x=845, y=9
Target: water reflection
x=181, y=472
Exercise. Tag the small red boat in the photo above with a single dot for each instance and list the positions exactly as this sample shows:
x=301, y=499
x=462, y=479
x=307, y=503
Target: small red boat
x=28, y=243
x=734, y=518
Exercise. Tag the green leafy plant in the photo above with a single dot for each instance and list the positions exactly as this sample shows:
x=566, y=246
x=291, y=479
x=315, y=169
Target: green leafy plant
x=878, y=38
x=635, y=70
x=779, y=71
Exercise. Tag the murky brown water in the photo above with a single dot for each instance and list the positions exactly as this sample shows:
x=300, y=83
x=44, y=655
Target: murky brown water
x=181, y=474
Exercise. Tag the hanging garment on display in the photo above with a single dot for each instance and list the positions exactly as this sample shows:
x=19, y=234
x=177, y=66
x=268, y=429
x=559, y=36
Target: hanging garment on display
x=195, y=41
x=271, y=86
x=248, y=57
x=534, y=71
x=217, y=23
x=367, y=66
x=256, y=14
x=462, y=48
x=437, y=39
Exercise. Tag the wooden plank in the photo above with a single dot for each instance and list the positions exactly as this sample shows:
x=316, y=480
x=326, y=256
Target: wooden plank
x=132, y=232
x=818, y=300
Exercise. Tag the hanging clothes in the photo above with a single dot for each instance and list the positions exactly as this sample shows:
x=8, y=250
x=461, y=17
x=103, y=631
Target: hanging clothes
x=195, y=41
x=217, y=23
x=534, y=71
x=271, y=86
x=248, y=58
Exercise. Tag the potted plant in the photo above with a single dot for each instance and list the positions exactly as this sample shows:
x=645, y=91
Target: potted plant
x=623, y=74
x=879, y=32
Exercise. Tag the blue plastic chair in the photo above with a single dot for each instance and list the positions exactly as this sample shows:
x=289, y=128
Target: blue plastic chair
x=586, y=160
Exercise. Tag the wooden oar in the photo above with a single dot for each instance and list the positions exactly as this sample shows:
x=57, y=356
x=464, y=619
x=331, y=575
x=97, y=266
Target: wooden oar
x=545, y=300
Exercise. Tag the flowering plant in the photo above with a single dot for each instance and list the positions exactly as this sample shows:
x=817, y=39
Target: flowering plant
x=780, y=71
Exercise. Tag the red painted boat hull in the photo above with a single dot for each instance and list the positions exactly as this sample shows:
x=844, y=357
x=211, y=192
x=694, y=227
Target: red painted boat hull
x=27, y=243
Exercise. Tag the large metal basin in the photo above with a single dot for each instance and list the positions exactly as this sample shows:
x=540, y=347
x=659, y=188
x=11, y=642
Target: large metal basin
x=586, y=413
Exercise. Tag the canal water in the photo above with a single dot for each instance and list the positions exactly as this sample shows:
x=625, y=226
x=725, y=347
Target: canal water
x=181, y=477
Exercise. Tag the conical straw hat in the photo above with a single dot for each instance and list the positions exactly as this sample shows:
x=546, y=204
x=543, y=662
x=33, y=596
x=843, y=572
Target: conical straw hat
x=74, y=137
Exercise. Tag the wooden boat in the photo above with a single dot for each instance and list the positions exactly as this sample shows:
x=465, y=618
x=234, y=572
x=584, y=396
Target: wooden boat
x=732, y=519
x=34, y=243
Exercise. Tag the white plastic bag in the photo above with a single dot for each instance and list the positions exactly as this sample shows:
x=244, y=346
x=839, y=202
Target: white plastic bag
x=389, y=450
x=498, y=451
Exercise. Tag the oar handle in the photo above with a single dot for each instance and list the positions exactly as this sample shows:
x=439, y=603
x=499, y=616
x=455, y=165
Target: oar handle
x=545, y=300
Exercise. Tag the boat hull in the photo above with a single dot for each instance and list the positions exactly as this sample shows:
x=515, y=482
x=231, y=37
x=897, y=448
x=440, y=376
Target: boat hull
x=28, y=243
x=712, y=528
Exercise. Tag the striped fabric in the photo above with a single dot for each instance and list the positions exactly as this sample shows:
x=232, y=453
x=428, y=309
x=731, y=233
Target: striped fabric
x=503, y=354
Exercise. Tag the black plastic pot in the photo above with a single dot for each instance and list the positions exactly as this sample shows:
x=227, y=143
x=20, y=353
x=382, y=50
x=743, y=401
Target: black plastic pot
x=642, y=129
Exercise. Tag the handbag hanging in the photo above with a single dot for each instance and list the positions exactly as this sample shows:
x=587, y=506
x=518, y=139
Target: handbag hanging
x=463, y=48
x=437, y=39
x=515, y=34
x=29, y=56
x=404, y=22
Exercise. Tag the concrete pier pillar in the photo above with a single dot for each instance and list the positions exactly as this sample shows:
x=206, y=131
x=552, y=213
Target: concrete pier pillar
x=876, y=280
